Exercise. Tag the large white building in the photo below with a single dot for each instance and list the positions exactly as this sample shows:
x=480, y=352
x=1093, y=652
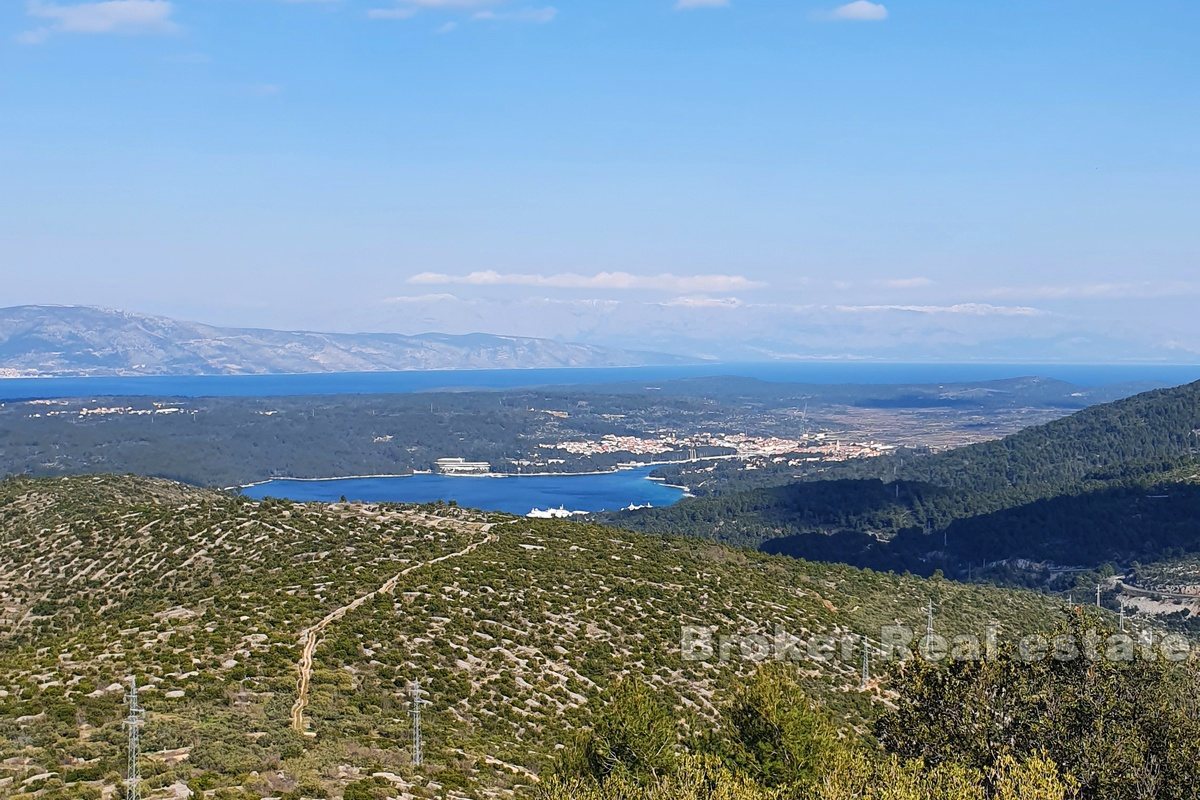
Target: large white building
x=460, y=466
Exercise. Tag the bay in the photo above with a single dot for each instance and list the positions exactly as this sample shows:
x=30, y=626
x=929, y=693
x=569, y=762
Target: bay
x=516, y=494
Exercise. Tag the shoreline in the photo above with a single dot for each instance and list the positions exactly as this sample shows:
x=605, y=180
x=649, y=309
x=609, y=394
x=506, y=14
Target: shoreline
x=619, y=468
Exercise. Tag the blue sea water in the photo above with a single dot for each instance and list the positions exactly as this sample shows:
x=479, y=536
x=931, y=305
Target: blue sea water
x=515, y=495
x=406, y=382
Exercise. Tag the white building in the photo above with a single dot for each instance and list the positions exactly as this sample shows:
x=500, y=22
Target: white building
x=460, y=466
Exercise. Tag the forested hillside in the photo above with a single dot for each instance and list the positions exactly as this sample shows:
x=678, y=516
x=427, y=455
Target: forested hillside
x=1111, y=482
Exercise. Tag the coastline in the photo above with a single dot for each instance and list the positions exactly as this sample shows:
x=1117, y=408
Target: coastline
x=619, y=468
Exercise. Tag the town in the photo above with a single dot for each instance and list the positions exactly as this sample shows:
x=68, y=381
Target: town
x=813, y=446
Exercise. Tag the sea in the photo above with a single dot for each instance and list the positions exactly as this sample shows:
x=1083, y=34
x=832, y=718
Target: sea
x=518, y=494
x=833, y=372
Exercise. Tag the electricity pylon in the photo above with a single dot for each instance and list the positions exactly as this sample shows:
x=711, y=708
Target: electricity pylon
x=134, y=722
x=417, y=700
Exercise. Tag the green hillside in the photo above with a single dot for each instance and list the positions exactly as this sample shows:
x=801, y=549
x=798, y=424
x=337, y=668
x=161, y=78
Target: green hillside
x=1114, y=482
x=516, y=627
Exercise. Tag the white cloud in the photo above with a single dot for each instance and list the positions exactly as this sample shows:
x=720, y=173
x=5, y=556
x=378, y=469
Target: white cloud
x=683, y=284
x=688, y=5
x=538, y=16
x=589, y=303
x=704, y=302
x=859, y=11
x=421, y=298
x=474, y=10
x=967, y=309
x=106, y=17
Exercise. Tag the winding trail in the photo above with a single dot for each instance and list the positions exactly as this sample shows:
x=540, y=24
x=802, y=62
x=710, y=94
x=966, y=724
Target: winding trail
x=312, y=636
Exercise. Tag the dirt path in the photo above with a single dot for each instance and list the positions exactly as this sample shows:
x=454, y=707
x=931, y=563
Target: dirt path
x=312, y=636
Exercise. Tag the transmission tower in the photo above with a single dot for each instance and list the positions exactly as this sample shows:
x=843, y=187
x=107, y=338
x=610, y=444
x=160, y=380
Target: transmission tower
x=417, y=700
x=134, y=722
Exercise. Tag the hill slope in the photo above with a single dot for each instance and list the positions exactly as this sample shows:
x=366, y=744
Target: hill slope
x=513, y=625
x=1110, y=482
x=78, y=340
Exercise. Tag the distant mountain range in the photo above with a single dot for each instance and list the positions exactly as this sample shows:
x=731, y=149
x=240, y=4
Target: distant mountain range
x=81, y=340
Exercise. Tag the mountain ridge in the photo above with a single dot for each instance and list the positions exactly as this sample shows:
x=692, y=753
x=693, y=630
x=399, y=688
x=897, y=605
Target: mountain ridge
x=80, y=341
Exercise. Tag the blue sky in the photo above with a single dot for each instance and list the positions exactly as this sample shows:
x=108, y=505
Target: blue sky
x=915, y=178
